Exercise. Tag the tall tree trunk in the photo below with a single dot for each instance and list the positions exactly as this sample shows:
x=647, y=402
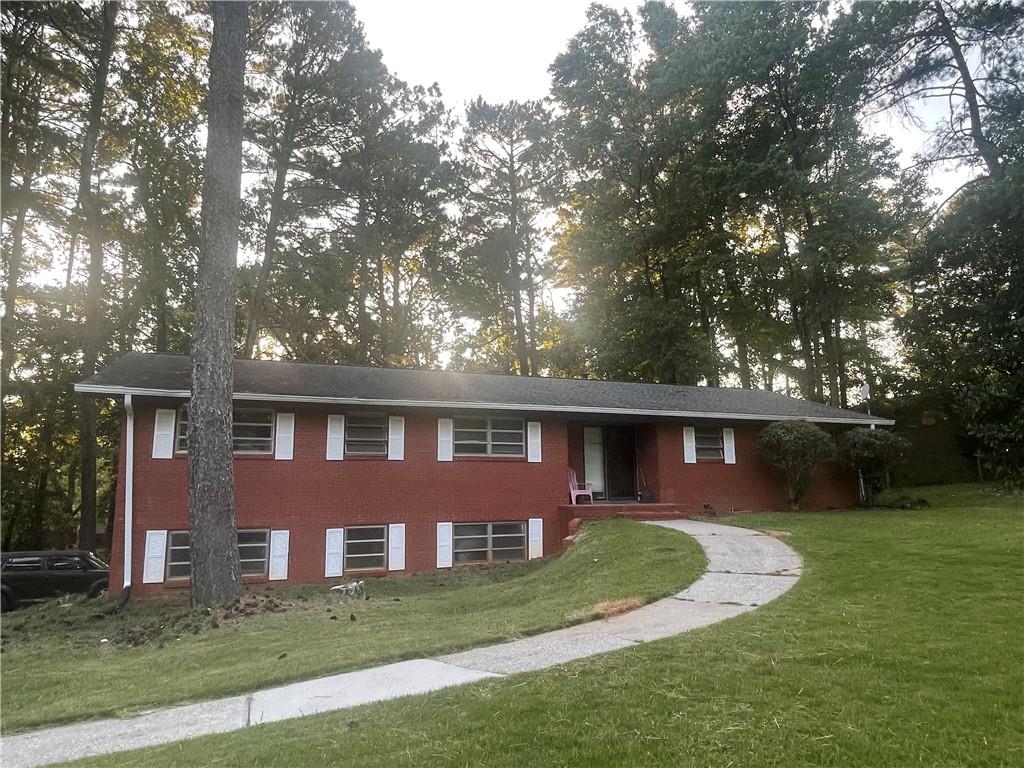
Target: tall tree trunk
x=216, y=577
x=363, y=292
x=259, y=296
x=94, y=289
x=743, y=353
x=844, y=381
x=831, y=361
x=515, y=266
x=10, y=319
x=988, y=151
x=531, y=315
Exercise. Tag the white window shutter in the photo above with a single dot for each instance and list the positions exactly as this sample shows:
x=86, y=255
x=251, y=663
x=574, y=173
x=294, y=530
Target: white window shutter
x=689, y=446
x=396, y=438
x=284, y=436
x=445, y=440
x=533, y=441
x=153, y=562
x=163, y=433
x=445, y=544
x=335, y=438
x=729, y=445
x=278, y=556
x=333, y=563
x=396, y=547
x=536, y=537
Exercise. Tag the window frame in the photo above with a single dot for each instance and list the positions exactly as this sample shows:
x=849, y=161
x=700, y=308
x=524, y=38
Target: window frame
x=384, y=549
x=488, y=441
x=490, y=535
x=172, y=546
x=357, y=454
x=720, y=448
x=181, y=440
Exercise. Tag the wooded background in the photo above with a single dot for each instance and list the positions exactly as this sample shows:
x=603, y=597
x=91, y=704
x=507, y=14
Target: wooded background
x=702, y=199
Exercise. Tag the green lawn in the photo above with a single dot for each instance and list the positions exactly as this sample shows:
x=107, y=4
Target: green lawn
x=902, y=645
x=54, y=670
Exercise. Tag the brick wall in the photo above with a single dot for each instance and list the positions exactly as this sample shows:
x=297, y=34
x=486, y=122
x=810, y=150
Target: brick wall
x=308, y=494
x=746, y=485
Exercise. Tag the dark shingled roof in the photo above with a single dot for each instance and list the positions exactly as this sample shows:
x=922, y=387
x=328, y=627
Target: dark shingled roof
x=152, y=374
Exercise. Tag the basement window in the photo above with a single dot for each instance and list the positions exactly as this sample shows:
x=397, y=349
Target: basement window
x=252, y=553
x=489, y=542
x=365, y=548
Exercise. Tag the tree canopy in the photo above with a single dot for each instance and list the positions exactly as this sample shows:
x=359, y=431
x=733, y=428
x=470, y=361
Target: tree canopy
x=705, y=196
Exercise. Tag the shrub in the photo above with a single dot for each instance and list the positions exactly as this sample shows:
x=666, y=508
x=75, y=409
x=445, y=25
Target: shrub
x=795, y=449
x=872, y=452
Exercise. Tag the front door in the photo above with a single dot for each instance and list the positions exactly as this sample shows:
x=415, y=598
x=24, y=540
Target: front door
x=620, y=462
x=593, y=459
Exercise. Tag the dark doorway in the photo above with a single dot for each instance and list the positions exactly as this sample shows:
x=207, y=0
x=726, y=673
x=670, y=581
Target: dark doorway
x=620, y=460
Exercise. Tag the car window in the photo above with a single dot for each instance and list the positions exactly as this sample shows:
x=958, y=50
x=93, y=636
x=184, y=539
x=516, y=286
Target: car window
x=23, y=564
x=66, y=563
x=96, y=562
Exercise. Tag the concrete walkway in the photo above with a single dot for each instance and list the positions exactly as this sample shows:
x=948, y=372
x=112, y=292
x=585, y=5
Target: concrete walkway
x=745, y=569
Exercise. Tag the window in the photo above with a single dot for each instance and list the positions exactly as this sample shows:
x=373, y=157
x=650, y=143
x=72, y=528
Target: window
x=65, y=563
x=489, y=437
x=489, y=542
x=708, y=442
x=179, y=565
x=252, y=553
x=366, y=435
x=365, y=548
x=23, y=564
x=252, y=430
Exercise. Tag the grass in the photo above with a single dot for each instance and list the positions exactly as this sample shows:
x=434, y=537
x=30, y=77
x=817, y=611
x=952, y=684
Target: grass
x=902, y=645
x=54, y=670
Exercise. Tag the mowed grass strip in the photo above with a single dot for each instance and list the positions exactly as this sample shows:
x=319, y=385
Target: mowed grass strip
x=902, y=645
x=54, y=670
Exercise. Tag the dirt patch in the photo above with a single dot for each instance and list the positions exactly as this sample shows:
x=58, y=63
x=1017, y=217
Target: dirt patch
x=777, y=534
x=615, y=607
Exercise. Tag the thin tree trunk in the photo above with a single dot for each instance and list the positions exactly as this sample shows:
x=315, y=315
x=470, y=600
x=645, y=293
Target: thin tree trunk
x=744, y=362
x=514, y=267
x=10, y=320
x=844, y=381
x=988, y=151
x=363, y=293
x=259, y=297
x=531, y=315
x=216, y=577
x=94, y=289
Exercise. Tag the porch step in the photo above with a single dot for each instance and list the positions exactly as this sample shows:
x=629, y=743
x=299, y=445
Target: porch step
x=632, y=511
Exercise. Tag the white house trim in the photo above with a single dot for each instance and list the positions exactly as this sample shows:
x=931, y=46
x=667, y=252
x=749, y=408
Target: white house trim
x=103, y=389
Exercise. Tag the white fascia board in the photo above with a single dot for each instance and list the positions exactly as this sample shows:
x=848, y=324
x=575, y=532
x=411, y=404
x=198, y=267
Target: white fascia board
x=101, y=389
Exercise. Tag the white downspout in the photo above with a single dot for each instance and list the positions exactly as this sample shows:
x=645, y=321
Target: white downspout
x=129, y=487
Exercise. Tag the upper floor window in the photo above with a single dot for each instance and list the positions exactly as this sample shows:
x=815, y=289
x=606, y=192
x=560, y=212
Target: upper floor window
x=252, y=430
x=489, y=437
x=366, y=435
x=708, y=442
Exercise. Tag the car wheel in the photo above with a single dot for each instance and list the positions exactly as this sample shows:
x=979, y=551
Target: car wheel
x=6, y=603
x=97, y=589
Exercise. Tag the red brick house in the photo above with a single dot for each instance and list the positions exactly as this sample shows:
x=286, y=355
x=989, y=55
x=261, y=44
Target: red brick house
x=342, y=471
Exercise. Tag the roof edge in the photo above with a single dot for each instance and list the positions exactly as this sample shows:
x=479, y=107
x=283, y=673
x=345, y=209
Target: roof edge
x=101, y=389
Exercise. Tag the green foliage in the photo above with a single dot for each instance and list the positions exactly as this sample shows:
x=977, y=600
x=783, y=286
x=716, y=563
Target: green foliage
x=872, y=452
x=794, y=449
x=964, y=329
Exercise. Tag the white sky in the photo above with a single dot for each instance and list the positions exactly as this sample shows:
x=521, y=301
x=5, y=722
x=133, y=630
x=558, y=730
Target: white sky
x=501, y=50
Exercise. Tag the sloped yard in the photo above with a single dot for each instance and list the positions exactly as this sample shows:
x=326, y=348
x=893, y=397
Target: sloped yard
x=901, y=645
x=159, y=652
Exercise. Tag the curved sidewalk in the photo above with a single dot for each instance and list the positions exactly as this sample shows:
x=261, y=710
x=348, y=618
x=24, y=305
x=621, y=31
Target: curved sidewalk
x=746, y=569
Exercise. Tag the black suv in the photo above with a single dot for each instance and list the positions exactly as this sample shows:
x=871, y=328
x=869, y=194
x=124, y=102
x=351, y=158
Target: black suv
x=26, y=577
